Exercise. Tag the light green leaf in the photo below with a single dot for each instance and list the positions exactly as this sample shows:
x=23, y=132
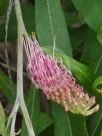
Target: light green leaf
x=3, y=130
x=50, y=23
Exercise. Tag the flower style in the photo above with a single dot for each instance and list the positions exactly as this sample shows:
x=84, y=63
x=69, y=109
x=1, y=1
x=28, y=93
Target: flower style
x=56, y=82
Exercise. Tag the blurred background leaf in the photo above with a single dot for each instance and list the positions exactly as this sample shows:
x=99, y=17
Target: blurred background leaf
x=3, y=6
x=90, y=12
x=28, y=11
x=5, y=86
x=92, y=53
x=33, y=105
x=44, y=122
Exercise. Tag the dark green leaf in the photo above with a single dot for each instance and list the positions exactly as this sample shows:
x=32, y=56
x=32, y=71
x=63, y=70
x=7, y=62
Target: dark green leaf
x=29, y=21
x=44, y=122
x=61, y=121
x=78, y=36
x=78, y=125
x=92, y=54
x=3, y=6
x=68, y=124
x=72, y=20
x=90, y=11
x=5, y=86
x=94, y=121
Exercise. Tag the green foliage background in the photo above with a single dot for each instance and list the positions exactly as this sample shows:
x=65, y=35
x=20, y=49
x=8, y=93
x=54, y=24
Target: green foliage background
x=77, y=25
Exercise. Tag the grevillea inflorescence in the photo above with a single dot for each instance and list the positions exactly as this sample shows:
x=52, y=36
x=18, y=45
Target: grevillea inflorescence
x=56, y=82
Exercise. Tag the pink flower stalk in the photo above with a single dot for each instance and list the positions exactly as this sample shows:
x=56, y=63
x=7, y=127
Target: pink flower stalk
x=57, y=83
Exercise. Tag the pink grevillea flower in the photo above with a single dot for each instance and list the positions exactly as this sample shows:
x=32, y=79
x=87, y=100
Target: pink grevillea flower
x=56, y=82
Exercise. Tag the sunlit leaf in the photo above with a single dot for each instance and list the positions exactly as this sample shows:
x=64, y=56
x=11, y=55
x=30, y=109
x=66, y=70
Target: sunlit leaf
x=3, y=130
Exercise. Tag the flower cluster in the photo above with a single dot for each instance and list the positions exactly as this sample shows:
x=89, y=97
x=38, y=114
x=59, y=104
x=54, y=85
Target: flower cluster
x=56, y=82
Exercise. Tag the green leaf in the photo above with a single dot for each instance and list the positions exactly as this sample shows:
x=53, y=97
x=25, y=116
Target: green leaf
x=44, y=122
x=61, y=121
x=92, y=54
x=5, y=86
x=3, y=6
x=90, y=11
x=97, y=85
x=72, y=20
x=78, y=124
x=29, y=21
x=101, y=133
x=99, y=129
x=68, y=124
x=2, y=116
x=3, y=130
x=94, y=121
x=91, y=14
x=50, y=23
x=33, y=106
x=99, y=35
x=78, y=36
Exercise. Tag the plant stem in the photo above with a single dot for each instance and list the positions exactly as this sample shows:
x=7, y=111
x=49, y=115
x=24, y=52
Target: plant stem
x=20, y=97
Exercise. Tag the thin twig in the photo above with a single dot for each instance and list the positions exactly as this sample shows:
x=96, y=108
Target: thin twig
x=13, y=69
x=5, y=44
